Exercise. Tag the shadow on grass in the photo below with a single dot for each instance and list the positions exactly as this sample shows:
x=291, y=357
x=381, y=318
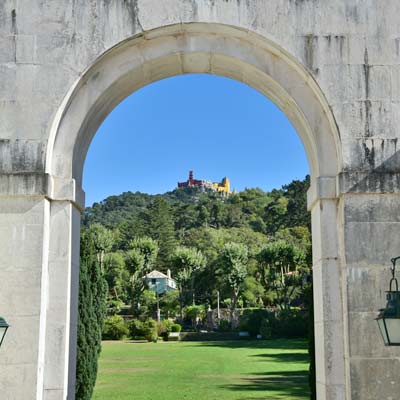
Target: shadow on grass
x=278, y=384
x=287, y=344
x=287, y=357
x=285, y=384
x=284, y=357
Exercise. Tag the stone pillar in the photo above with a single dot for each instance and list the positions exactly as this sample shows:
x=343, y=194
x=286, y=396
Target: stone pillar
x=24, y=223
x=328, y=296
x=371, y=239
x=61, y=326
x=39, y=272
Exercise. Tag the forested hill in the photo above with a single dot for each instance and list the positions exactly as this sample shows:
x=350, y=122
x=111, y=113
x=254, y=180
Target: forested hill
x=249, y=250
x=264, y=212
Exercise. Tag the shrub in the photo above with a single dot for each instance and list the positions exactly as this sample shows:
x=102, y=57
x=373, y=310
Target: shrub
x=292, y=324
x=266, y=329
x=169, y=303
x=176, y=328
x=164, y=328
x=114, y=307
x=224, y=325
x=194, y=313
x=252, y=319
x=136, y=328
x=114, y=328
x=151, y=330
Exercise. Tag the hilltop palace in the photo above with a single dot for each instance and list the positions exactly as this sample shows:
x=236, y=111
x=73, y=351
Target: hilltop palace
x=223, y=187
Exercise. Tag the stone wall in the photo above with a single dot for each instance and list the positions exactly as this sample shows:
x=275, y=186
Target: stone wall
x=331, y=65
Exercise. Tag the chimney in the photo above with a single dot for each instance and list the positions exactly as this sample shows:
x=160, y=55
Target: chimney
x=169, y=273
x=190, y=177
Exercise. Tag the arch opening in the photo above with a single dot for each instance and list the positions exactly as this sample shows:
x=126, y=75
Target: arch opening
x=167, y=127
x=210, y=124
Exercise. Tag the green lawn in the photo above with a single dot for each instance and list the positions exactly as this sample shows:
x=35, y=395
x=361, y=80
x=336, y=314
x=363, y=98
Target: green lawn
x=240, y=370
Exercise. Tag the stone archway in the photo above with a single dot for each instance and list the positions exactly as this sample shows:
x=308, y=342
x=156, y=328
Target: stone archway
x=221, y=50
x=332, y=67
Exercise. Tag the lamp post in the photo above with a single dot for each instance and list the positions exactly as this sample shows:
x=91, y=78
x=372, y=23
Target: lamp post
x=158, y=304
x=218, y=312
x=389, y=317
x=3, y=329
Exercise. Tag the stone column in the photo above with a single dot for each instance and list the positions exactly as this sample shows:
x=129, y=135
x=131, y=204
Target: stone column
x=61, y=326
x=39, y=269
x=328, y=293
x=24, y=223
x=371, y=239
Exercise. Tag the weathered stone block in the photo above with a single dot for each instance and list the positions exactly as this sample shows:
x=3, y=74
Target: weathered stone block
x=369, y=182
x=8, y=82
x=21, y=373
x=372, y=207
x=327, y=291
x=375, y=153
x=7, y=49
x=365, y=338
x=25, y=49
x=376, y=242
x=325, y=240
x=366, y=286
x=367, y=119
x=376, y=378
x=329, y=350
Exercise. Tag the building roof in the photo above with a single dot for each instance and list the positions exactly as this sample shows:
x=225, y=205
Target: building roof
x=155, y=274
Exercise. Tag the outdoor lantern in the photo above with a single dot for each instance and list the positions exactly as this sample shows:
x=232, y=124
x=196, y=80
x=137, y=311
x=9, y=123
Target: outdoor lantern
x=389, y=317
x=3, y=329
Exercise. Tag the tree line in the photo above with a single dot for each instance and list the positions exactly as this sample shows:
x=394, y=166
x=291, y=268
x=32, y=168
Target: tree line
x=254, y=247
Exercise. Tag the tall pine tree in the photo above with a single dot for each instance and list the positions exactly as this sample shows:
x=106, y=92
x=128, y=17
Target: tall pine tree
x=161, y=228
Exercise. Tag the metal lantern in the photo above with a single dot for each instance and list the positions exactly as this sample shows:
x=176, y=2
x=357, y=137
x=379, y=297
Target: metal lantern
x=389, y=317
x=3, y=329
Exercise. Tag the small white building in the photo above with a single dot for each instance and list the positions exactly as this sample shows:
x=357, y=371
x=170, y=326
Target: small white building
x=159, y=282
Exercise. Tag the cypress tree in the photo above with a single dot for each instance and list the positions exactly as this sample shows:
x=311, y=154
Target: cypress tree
x=91, y=314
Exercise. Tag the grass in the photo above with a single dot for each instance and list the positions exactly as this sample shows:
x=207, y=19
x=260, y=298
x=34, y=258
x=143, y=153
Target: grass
x=231, y=370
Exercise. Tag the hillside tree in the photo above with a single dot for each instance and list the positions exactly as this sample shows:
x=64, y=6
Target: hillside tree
x=139, y=260
x=160, y=227
x=187, y=263
x=234, y=269
x=281, y=267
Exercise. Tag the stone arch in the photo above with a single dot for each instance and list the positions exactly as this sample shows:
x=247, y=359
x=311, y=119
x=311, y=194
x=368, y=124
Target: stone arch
x=192, y=48
x=174, y=50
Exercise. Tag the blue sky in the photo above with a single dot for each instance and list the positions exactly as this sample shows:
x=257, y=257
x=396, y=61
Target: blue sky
x=215, y=126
